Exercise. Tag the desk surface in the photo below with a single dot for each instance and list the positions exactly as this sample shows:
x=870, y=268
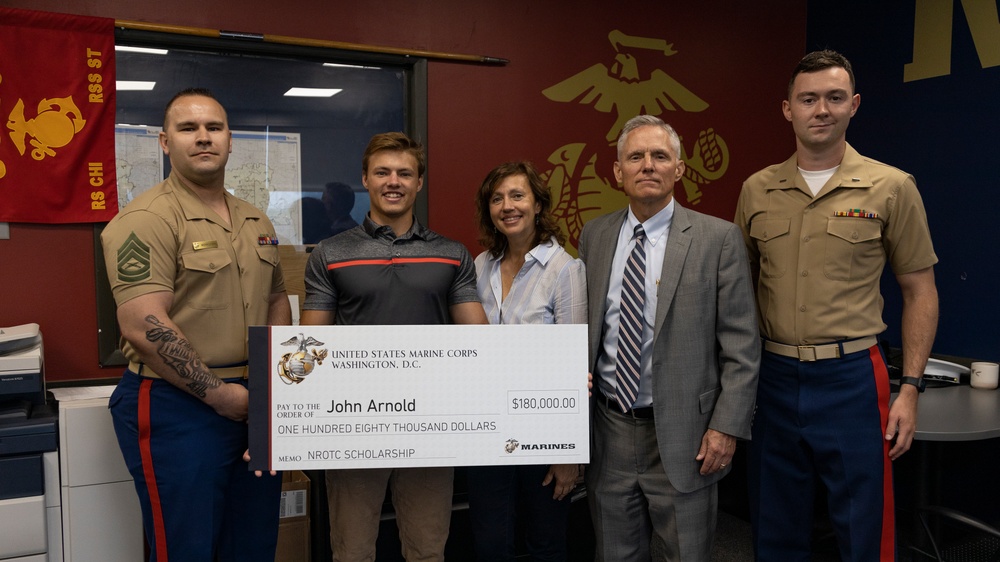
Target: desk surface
x=958, y=413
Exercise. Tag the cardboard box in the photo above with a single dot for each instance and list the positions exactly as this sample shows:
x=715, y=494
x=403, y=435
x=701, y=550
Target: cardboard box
x=293, y=526
x=293, y=542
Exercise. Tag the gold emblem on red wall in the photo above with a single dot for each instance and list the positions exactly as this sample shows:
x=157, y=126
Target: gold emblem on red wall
x=579, y=191
x=54, y=125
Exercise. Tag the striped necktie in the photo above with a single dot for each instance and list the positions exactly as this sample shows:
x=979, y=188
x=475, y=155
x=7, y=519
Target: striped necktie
x=630, y=324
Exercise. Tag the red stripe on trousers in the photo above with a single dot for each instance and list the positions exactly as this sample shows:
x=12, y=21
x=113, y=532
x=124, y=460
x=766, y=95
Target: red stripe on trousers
x=888, y=543
x=145, y=450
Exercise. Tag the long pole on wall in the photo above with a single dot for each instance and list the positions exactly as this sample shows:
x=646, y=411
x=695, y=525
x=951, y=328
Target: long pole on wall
x=285, y=40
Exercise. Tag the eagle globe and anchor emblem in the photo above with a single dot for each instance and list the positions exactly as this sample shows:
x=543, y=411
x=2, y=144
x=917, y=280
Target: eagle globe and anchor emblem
x=56, y=123
x=294, y=367
x=579, y=190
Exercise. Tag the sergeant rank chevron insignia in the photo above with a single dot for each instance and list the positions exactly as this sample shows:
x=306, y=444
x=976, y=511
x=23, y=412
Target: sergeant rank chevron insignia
x=133, y=260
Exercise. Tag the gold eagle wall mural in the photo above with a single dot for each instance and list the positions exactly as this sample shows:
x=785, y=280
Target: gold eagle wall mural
x=580, y=192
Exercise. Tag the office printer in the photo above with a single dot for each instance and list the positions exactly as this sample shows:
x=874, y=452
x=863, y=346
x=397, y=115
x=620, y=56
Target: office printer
x=22, y=383
x=28, y=430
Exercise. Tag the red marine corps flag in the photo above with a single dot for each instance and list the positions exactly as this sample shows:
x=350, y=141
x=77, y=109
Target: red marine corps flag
x=57, y=118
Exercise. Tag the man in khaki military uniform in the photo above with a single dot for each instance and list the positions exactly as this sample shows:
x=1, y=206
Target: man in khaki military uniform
x=819, y=230
x=191, y=268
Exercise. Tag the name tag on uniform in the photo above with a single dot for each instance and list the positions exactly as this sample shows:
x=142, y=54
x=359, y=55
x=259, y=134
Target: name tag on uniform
x=204, y=245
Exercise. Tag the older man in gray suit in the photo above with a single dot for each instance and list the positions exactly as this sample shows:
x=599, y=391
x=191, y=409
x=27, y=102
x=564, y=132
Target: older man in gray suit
x=675, y=350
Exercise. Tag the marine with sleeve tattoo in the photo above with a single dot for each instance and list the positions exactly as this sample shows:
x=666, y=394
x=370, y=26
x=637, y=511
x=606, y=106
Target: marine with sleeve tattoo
x=191, y=268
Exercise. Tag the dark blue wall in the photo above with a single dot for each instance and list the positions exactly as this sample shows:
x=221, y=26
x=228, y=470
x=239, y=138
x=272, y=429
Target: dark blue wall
x=944, y=131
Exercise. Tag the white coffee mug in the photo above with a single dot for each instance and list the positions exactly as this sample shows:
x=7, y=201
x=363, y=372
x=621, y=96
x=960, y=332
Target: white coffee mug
x=984, y=375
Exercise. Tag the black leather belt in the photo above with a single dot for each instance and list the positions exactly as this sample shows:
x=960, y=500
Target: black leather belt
x=612, y=406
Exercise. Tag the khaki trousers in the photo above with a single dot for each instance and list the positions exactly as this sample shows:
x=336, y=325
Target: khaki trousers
x=420, y=496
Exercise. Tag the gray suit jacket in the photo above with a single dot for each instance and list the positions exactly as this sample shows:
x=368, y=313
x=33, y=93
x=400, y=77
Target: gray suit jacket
x=706, y=349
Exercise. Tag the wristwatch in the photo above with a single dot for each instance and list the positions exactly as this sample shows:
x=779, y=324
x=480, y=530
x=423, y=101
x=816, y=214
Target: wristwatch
x=918, y=382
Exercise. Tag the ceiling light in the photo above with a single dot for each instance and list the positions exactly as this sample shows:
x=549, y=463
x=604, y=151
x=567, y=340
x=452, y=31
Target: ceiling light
x=313, y=92
x=122, y=85
x=337, y=65
x=146, y=50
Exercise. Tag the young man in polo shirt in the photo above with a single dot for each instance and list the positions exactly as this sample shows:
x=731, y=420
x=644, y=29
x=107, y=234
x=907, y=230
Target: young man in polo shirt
x=390, y=270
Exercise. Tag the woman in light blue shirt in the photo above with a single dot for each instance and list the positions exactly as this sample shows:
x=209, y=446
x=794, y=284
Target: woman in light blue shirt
x=525, y=277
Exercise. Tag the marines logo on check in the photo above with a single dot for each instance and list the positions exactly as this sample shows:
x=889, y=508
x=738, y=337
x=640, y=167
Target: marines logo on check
x=294, y=367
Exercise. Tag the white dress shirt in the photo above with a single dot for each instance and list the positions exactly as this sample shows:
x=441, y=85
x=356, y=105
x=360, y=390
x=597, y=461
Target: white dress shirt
x=551, y=288
x=657, y=229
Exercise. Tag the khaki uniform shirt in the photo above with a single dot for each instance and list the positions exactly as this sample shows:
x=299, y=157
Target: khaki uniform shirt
x=819, y=266
x=221, y=277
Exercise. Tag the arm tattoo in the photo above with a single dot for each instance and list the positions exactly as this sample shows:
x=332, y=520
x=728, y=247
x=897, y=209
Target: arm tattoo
x=178, y=354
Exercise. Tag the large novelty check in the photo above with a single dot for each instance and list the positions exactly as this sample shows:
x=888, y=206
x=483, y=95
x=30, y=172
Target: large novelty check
x=327, y=397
